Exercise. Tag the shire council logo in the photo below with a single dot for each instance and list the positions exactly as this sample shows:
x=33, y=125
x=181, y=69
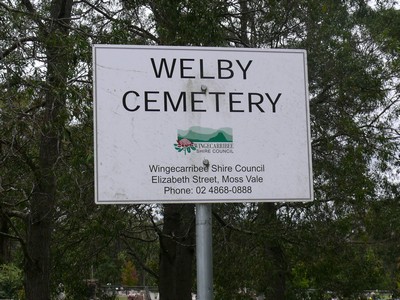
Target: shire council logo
x=198, y=139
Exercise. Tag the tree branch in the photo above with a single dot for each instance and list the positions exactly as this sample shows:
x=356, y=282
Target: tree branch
x=29, y=6
x=139, y=31
x=137, y=258
x=18, y=236
x=17, y=214
x=15, y=45
x=32, y=11
x=224, y=224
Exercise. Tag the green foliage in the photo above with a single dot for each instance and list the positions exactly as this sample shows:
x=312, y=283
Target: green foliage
x=129, y=275
x=344, y=242
x=189, y=22
x=10, y=281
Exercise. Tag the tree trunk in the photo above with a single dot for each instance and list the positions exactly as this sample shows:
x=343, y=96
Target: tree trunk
x=4, y=242
x=277, y=273
x=43, y=198
x=244, y=21
x=275, y=265
x=177, y=252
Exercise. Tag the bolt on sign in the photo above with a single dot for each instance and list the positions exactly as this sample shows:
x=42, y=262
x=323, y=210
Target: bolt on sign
x=200, y=125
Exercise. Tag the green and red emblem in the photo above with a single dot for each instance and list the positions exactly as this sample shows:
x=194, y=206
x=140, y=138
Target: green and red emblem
x=184, y=145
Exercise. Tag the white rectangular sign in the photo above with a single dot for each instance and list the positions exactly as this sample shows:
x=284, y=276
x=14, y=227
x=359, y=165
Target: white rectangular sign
x=197, y=124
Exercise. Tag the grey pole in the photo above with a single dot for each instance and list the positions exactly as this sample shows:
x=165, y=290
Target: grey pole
x=204, y=252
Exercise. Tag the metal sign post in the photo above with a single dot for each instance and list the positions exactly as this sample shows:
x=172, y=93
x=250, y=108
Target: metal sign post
x=204, y=252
